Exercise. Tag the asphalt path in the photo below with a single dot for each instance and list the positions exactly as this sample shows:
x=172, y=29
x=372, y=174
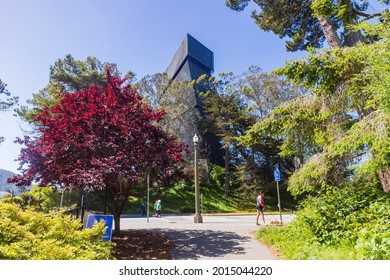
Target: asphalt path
x=219, y=237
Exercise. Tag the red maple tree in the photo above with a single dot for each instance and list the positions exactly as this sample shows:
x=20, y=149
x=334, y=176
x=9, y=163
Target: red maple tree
x=99, y=137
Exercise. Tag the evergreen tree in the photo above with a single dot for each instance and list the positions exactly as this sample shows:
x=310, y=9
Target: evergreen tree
x=309, y=22
x=66, y=75
x=233, y=104
x=7, y=103
x=343, y=123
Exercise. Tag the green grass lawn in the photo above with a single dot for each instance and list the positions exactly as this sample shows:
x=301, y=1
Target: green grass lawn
x=181, y=199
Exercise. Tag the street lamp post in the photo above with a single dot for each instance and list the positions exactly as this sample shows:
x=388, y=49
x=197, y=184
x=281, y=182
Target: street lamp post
x=197, y=217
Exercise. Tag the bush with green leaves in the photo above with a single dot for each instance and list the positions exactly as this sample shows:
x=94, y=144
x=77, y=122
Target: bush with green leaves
x=30, y=235
x=347, y=223
x=12, y=199
x=49, y=199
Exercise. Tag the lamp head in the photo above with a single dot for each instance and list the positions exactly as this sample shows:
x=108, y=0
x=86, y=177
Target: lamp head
x=195, y=139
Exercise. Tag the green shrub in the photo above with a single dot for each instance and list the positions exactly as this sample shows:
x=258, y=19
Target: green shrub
x=348, y=223
x=48, y=199
x=29, y=235
x=217, y=177
x=373, y=240
x=13, y=199
x=187, y=209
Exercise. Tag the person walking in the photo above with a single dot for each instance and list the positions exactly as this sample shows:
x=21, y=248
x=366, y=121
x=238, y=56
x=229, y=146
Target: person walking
x=154, y=209
x=143, y=209
x=260, y=206
x=158, y=208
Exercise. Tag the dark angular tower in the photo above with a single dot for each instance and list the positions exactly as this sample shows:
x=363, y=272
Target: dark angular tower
x=191, y=60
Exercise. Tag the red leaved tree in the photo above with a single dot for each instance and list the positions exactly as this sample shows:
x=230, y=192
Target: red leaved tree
x=96, y=138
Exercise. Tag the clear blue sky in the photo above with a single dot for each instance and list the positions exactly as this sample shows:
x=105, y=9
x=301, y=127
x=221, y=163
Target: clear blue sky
x=137, y=35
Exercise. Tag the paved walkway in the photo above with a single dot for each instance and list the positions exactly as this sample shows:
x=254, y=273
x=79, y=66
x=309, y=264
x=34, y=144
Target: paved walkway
x=217, y=238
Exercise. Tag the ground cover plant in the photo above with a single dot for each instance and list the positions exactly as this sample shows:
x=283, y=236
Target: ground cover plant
x=32, y=235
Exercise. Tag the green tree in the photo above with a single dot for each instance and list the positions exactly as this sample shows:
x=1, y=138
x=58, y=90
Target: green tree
x=49, y=198
x=265, y=91
x=66, y=75
x=226, y=115
x=177, y=99
x=309, y=22
x=343, y=120
x=7, y=103
x=233, y=103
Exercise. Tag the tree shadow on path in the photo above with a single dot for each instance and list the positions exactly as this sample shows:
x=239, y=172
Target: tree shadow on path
x=195, y=244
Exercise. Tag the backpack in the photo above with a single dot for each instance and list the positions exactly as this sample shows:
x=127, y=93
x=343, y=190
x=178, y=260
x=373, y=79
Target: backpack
x=258, y=202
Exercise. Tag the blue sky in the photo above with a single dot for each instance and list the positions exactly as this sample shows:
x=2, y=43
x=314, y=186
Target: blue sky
x=137, y=35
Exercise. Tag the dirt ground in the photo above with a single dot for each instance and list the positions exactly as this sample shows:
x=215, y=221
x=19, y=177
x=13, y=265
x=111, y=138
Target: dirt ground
x=142, y=245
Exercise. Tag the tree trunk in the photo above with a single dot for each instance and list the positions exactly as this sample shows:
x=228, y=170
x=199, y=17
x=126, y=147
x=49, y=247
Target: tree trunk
x=352, y=37
x=118, y=206
x=384, y=177
x=117, y=221
x=118, y=209
x=330, y=33
x=121, y=192
x=117, y=216
x=330, y=30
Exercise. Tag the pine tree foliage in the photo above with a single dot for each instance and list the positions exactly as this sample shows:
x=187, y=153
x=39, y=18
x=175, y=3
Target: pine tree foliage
x=66, y=75
x=233, y=104
x=8, y=103
x=343, y=121
x=308, y=23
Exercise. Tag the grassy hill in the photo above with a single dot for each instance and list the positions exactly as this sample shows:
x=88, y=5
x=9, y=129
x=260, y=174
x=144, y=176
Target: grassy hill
x=181, y=199
x=175, y=200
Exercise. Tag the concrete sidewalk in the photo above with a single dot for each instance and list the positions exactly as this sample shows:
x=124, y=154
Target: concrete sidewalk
x=217, y=238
